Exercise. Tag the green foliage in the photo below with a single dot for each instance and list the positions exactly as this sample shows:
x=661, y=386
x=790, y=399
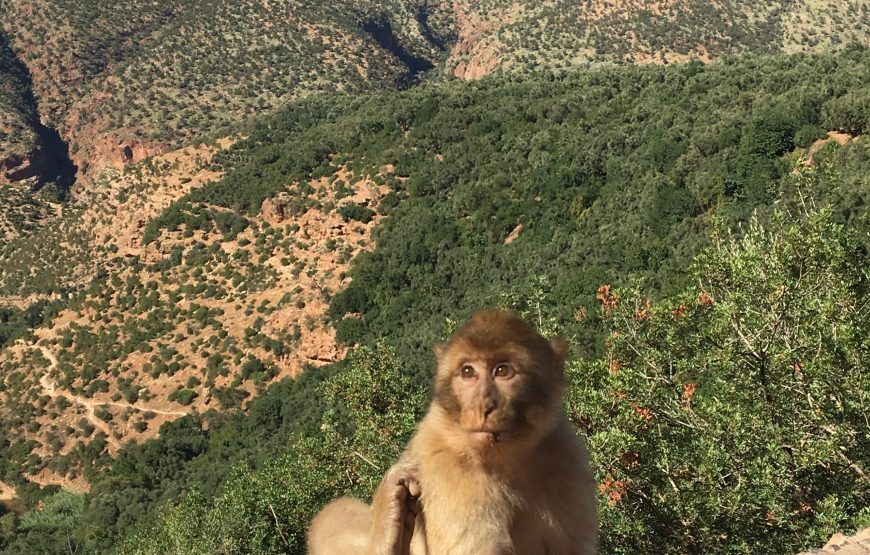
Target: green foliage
x=15, y=322
x=50, y=529
x=734, y=413
x=808, y=134
x=373, y=411
x=849, y=113
x=183, y=396
x=358, y=212
x=610, y=172
x=60, y=511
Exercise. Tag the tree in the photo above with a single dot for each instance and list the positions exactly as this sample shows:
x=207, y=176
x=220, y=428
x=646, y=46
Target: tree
x=54, y=525
x=736, y=411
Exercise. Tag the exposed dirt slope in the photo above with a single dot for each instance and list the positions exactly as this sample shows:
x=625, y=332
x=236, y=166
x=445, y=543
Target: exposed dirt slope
x=50, y=389
x=202, y=318
x=6, y=492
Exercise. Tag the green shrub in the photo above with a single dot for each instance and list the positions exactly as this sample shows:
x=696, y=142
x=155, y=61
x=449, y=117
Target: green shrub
x=356, y=212
x=185, y=396
x=267, y=510
x=733, y=412
x=849, y=113
x=808, y=134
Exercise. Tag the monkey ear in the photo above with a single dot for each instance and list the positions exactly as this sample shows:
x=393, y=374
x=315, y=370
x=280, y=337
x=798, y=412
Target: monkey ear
x=560, y=350
x=440, y=348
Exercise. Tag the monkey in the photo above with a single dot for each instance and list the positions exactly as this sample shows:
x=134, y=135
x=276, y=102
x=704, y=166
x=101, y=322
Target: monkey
x=494, y=468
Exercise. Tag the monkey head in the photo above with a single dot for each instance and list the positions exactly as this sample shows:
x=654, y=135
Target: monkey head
x=499, y=381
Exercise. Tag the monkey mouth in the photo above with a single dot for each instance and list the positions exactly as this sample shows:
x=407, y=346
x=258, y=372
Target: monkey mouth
x=486, y=437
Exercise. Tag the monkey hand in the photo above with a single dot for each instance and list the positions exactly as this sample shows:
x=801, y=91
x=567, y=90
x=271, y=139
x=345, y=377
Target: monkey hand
x=395, y=509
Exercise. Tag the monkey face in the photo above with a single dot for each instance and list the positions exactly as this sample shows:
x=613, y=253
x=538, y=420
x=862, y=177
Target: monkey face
x=498, y=380
x=492, y=394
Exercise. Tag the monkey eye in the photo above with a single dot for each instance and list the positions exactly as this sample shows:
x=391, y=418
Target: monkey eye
x=467, y=372
x=503, y=370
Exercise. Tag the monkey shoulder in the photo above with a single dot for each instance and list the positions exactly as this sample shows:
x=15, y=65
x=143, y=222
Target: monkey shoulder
x=564, y=447
x=561, y=468
x=562, y=495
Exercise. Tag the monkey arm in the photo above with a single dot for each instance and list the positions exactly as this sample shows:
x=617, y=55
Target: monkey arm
x=394, y=510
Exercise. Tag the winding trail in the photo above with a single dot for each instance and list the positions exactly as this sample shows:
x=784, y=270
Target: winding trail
x=51, y=390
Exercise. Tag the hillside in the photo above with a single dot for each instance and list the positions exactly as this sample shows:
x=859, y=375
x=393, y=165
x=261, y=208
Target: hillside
x=89, y=84
x=500, y=34
x=231, y=232
x=17, y=137
x=204, y=320
x=120, y=83
x=124, y=82
x=33, y=158
x=200, y=278
x=29, y=158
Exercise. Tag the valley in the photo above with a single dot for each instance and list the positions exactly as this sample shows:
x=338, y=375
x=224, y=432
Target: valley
x=231, y=233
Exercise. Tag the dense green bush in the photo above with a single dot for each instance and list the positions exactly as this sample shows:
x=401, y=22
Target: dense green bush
x=358, y=212
x=733, y=414
x=808, y=134
x=52, y=529
x=849, y=113
x=184, y=396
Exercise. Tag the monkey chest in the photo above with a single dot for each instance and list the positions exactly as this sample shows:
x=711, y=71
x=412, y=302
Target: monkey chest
x=487, y=521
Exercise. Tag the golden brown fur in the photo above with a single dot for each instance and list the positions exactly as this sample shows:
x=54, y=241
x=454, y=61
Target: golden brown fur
x=497, y=465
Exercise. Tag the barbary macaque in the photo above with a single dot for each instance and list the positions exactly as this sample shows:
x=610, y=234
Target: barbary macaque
x=494, y=468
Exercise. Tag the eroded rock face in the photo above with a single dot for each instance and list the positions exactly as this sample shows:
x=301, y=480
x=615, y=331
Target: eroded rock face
x=119, y=153
x=277, y=209
x=473, y=57
x=16, y=167
x=839, y=544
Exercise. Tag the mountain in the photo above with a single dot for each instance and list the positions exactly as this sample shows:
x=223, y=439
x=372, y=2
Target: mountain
x=18, y=135
x=191, y=281
x=498, y=34
x=224, y=224
x=120, y=83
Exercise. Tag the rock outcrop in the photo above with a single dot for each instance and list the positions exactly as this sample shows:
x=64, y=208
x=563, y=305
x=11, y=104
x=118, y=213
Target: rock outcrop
x=276, y=209
x=116, y=152
x=16, y=167
x=839, y=544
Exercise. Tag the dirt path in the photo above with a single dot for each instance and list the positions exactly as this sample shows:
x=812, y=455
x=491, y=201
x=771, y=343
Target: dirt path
x=52, y=391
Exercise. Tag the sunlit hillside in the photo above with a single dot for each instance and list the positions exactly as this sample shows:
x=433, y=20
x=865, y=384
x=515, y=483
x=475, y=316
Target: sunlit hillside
x=230, y=233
